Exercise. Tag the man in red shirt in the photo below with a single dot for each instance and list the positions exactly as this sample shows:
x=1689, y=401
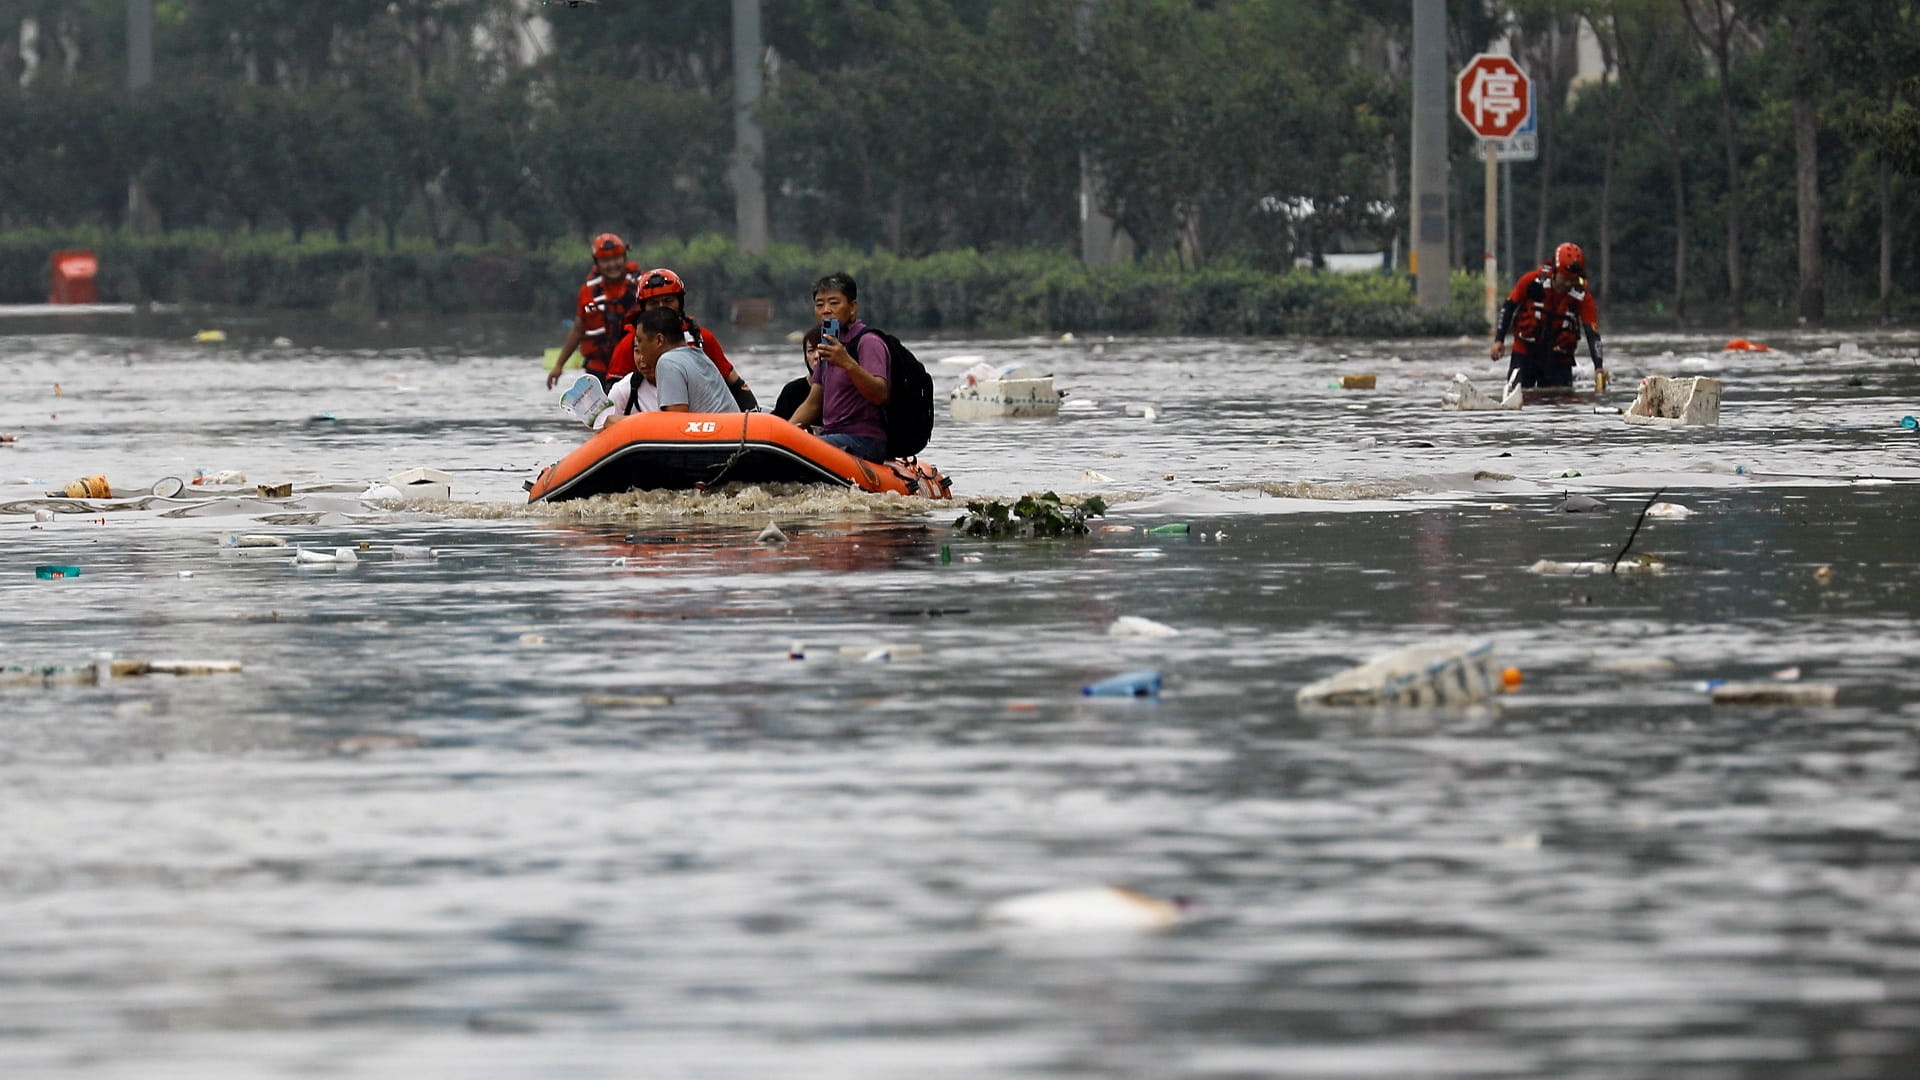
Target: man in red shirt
x=1549, y=310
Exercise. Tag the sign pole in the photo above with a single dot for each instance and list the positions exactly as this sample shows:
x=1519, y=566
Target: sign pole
x=1493, y=234
x=1506, y=216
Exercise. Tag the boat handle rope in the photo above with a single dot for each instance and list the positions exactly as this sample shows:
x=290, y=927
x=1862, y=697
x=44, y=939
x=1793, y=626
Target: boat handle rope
x=738, y=453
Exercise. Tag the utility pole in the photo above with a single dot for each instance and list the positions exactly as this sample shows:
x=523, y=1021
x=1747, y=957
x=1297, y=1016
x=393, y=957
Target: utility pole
x=749, y=141
x=1428, y=198
x=140, y=215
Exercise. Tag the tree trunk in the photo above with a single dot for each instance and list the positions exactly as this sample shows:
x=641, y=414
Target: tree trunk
x=1562, y=60
x=1544, y=170
x=1886, y=241
x=1736, y=283
x=1679, y=228
x=1806, y=153
x=1606, y=196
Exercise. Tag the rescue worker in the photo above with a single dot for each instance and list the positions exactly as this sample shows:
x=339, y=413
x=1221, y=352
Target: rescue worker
x=606, y=303
x=661, y=287
x=1548, y=311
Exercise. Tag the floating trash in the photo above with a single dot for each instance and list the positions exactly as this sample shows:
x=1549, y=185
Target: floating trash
x=1774, y=693
x=1638, y=565
x=1437, y=673
x=1674, y=402
x=1136, y=626
x=55, y=572
x=1462, y=395
x=875, y=653
x=88, y=487
x=1099, y=907
x=1132, y=684
x=422, y=482
x=771, y=534
x=340, y=556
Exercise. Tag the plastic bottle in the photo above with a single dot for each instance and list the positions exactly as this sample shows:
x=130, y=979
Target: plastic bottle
x=1909, y=423
x=1178, y=528
x=1142, y=683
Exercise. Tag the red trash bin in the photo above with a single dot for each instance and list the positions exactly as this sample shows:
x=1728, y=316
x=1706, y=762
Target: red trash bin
x=73, y=273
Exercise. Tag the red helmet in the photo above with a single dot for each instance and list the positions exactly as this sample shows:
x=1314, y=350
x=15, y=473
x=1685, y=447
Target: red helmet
x=661, y=281
x=608, y=244
x=1570, y=258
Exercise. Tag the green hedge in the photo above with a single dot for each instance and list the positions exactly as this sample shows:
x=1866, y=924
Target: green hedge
x=958, y=290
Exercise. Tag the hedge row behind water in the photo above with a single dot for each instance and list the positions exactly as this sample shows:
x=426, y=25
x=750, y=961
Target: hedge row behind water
x=962, y=290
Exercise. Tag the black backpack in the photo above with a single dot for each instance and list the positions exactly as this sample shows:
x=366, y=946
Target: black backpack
x=908, y=413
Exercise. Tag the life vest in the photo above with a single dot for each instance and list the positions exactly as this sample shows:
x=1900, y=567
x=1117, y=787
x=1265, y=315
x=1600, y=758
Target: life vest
x=602, y=318
x=1546, y=322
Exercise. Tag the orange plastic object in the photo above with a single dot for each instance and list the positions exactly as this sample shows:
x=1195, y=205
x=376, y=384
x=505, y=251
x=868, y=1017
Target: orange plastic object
x=1741, y=344
x=73, y=273
x=1510, y=678
x=90, y=487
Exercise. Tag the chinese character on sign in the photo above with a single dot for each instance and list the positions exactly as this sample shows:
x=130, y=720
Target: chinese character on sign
x=1493, y=96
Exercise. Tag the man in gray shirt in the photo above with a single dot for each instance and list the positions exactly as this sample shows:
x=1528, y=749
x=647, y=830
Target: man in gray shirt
x=688, y=381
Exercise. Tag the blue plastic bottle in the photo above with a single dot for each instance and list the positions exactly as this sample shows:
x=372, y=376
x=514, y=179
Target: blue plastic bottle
x=1142, y=683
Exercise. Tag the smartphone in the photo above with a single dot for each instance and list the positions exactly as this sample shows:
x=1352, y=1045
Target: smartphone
x=830, y=328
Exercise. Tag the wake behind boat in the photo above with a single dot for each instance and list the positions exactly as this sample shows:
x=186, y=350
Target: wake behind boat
x=681, y=451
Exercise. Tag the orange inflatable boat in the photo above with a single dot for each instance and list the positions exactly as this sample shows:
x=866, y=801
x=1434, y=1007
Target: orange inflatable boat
x=684, y=451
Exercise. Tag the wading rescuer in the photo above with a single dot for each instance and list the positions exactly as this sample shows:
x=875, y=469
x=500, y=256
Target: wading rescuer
x=662, y=288
x=1549, y=310
x=606, y=305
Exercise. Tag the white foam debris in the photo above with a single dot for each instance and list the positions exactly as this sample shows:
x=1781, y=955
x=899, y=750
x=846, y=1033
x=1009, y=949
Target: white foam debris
x=1140, y=627
x=1092, y=908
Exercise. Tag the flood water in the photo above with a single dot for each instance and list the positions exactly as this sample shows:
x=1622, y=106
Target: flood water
x=557, y=802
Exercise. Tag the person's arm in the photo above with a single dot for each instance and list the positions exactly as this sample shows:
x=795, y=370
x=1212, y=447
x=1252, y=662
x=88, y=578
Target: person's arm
x=808, y=414
x=1590, y=325
x=711, y=346
x=871, y=386
x=1500, y=326
x=566, y=353
x=1518, y=296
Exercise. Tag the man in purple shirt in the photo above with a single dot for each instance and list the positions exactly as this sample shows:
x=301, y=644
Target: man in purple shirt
x=848, y=387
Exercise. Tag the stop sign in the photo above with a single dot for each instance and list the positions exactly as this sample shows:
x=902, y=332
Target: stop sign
x=1493, y=96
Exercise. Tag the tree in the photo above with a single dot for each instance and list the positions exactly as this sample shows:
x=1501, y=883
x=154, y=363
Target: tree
x=1651, y=55
x=1717, y=25
x=1545, y=40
